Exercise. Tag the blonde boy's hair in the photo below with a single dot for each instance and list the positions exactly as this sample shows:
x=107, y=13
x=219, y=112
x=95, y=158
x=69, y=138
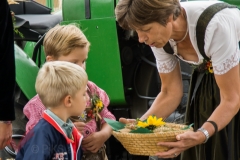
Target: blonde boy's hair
x=57, y=79
x=62, y=39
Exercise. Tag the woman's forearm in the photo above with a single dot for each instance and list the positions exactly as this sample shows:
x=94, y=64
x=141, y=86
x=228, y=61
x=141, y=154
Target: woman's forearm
x=163, y=105
x=222, y=115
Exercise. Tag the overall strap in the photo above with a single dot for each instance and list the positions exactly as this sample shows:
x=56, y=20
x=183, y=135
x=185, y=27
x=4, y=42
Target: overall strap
x=202, y=23
x=204, y=20
x=167, y=48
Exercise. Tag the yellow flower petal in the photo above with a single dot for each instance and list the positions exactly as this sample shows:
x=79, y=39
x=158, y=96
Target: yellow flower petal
x=150, y=120
x=142, y=124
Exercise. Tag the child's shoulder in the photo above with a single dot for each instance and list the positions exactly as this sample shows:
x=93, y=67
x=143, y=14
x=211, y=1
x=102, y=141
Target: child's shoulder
x=35, y=101
x=91, y=84
x=42, y=130
x=94, y=87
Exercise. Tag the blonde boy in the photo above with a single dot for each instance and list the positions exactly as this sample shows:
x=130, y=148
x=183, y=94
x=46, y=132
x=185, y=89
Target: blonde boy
x=68, y=43
x=62, y=88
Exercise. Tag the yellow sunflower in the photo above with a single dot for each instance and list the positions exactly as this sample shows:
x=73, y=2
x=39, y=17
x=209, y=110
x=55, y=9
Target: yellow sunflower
x=151, y=123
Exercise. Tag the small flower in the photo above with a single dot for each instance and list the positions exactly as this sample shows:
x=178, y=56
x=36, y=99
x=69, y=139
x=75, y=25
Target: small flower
x=83, y=116
x=208, y=67
x=151, y=123
x=90, y=113
x=99, y=104
x=96, y=106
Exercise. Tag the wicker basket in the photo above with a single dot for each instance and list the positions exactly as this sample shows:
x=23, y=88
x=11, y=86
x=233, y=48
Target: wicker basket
x=146, y=144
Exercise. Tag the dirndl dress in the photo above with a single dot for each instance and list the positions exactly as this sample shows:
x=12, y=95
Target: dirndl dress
x=204, y=98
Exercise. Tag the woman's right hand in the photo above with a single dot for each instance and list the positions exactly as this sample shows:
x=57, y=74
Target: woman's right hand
x=80, y=126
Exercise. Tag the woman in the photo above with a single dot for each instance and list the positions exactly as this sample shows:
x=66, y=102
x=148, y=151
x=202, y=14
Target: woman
x=214, y=96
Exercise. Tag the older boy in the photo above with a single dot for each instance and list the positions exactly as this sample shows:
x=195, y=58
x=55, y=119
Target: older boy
x=61, y=87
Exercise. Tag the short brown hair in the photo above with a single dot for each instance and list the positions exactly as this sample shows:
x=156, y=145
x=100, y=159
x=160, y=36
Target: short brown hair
x=62, y=39
x=131, y=14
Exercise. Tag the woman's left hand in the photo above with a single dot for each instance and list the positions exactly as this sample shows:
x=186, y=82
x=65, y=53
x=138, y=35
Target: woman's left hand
x=184, y=141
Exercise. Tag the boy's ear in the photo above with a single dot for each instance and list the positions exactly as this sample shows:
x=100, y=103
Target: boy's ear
x=68, y=101
x=49, y=58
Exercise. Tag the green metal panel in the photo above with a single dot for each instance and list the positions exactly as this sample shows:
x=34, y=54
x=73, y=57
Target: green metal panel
x=102, y=8
x=26, y=72
x=234, y=2
x=74, y=10
x=28, y=49
x=103, y=64
x=49, y=3
x=98, y=8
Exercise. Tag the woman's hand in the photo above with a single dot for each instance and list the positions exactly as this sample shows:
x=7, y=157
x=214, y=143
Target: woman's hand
x=5, y=134
x=80, y=126
x=184, y=141
x=126, y=121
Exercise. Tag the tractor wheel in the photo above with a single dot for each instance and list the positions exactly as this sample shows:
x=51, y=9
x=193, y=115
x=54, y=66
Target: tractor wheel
x=146, y=87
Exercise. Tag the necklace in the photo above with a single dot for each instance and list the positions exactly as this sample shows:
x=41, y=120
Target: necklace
x=186, y=31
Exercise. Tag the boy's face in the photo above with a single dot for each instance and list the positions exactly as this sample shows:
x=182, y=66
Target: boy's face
x=77, y=56
x=79, y=102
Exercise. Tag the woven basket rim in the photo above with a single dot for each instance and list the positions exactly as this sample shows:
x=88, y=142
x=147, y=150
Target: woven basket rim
x=155, y=134
x=146, y=143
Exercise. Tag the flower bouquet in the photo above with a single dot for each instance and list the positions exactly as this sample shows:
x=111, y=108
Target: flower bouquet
x=206, y=67
x=92, y=111
x=141, y=137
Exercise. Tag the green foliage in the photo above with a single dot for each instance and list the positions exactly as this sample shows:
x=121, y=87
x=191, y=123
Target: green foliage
x=15, y=29
x=141, y=130
x=116, y=126
x=187, y=127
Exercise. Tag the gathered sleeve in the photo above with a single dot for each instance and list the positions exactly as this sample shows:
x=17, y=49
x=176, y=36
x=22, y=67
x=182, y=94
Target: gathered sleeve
x=165, y=62
x=221, y=40
x=33, y=110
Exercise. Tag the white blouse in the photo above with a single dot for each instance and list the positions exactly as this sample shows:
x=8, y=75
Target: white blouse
x=221, y=39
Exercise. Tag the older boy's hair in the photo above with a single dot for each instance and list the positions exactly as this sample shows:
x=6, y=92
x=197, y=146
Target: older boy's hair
x=62, y=39
x=57, y=79
x=132, y=14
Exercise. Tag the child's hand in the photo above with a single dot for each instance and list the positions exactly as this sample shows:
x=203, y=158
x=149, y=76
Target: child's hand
x=80, y=126
x=93, y=142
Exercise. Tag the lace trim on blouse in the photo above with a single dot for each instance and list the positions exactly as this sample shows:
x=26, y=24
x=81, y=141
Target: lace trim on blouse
x=226, y=65
x=167, y=67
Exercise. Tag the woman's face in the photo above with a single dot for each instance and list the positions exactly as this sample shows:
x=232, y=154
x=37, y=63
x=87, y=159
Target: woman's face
x=154, y=34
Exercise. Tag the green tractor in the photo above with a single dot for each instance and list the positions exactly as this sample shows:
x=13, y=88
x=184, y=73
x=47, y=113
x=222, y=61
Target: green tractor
x=117, y=62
